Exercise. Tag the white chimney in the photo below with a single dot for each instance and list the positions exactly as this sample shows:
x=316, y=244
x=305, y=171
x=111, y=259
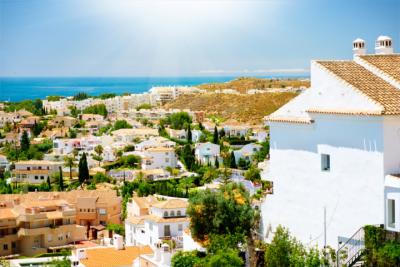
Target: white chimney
x=158, y=252
x=383, y=45
x=118, y=242
x=80, y=254
x=359, y=47
x=166, y=255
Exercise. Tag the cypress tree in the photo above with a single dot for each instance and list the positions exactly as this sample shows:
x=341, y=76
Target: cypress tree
x=216, y=164
x=61, y=181
x=25, y=143
x=189, y=134
x=215, y=138
x=48, y=182
x=233, y=161
x=83, y=169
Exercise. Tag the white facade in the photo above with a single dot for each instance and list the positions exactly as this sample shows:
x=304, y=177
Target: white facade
x=35, y=171
x=158, y=157
x=150, y=221
x=331, y=161
x=206, y=152
x=246, y=152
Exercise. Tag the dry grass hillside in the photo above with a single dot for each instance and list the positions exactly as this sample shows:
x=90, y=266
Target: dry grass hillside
x=244, y=108
x=245, y=83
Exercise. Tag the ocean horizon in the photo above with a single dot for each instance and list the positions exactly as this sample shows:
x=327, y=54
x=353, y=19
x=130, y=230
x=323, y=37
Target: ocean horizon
x=15, y=89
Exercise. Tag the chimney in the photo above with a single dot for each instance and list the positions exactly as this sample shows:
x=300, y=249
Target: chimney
x=118, y=242
x=383, y=45
x=165, y=255
x=359, y=47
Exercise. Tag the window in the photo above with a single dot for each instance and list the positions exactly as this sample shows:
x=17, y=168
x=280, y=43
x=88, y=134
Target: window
x=172, y=213
x=180, y=227
x=325, y=162
x=391, y=213
x=165, y=213
x=13, y=245
x=178, y=213
x=36, y=177
x=150, y=226
x=42, y=177
x=49, y=238
x=102, y=211
x=5, y=247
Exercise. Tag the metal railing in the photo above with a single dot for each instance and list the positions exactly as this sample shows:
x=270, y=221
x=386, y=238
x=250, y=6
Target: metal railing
x=350, y=252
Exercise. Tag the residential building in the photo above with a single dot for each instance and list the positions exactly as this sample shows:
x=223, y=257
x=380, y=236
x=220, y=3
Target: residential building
x=246, y=152
x=335, y=150
x=34, y=171
x=207, y=152
x=158, y=157
x=151, y=220
x=153, y=142
x=128, y=135
x=33, y=227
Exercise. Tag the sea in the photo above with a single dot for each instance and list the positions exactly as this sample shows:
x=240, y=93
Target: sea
x=22, y=88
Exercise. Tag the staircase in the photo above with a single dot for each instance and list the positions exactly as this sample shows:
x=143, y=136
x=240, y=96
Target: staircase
x=350, y=253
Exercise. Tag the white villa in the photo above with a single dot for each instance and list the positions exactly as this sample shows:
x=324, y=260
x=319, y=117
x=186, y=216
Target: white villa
x=154, y=142
x=158, y=157
x=206, y=152
x=151, y=220
x=246, y=152
x=336, y=149
x=34, y=171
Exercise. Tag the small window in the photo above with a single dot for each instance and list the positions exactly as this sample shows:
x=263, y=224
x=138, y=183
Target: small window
x=178, y=213
x=325, y=162
x=172, y=213
x=36, y=177
x=391, y=213
x=165, y=213
x=5, y=247
x=180, y=227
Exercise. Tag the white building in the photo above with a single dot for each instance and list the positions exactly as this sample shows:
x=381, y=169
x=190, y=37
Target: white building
x=246, y=152
x=158, y=157
x=128, y=135
x=34, y=171
x=157, y=141
x=336, y=147
x=206, y=152
x=151, y=220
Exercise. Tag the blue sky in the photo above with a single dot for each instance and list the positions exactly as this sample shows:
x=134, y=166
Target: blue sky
x=185, y=38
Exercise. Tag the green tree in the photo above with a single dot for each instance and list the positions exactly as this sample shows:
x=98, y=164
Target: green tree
x=81, y=96
x=83, y=169
x=215, y=136
x=61, y=179
x=189, y=134
x=227, y=211
x=116, y=228
x=185, y=259
x=121, y=124
x=225, y=258
x=253, y=174
x=188, y=157
x=99, y=151
x=69, y=162
x=232, y=163
x=25, y=142
x=216, y=163
x=99, y=109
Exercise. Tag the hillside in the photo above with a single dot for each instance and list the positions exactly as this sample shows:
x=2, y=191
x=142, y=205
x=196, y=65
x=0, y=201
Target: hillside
x=244, y=108
x=243, y=84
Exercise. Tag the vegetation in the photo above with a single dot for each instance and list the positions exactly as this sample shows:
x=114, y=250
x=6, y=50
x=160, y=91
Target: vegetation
x=242, y=84
x=83, y=169
x=177, y=121
x=143, y=106
x=99, y=109
x=81, y=96
x=121, y=124
x=129, y=161
x=33, y=106
x=243, y=108
x=382, y=247
x=107, y=95
x=285, y=250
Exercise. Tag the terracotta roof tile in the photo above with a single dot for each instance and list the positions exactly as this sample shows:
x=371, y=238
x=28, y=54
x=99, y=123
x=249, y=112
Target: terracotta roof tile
x=389, y=64
x=110, y=257
x=375, y=88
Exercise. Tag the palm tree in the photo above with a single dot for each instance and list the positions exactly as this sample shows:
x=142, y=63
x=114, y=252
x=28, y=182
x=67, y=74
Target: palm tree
x=69, y=162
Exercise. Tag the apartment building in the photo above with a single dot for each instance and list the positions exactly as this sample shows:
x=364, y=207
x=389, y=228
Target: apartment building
x=34, y=171
x=33, y=227
x=37, y=222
